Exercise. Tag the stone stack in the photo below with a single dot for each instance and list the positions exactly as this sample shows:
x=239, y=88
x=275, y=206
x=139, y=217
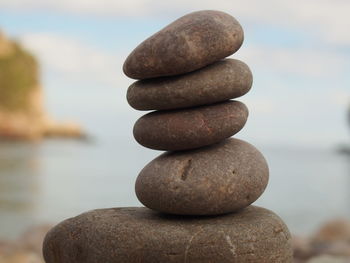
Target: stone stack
x=198, y=193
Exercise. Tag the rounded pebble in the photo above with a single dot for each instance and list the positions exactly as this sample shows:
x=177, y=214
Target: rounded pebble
x=189, y=43
x=190, y=128
x=213, y=180
x=223, y=80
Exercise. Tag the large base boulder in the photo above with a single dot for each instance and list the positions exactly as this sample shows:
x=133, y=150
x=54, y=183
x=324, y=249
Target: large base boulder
x=127, y=235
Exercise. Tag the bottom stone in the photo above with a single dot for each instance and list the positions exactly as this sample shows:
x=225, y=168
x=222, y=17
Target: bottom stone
x=128, y=235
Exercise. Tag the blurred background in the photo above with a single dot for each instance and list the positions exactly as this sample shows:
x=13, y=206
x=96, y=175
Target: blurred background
x=66, y=127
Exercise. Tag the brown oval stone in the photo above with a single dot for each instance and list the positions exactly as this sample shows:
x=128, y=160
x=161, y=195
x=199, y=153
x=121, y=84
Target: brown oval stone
x=134, y=235
x=189, y=43
x=190, y=128
x=214, y=180
x=223, y=80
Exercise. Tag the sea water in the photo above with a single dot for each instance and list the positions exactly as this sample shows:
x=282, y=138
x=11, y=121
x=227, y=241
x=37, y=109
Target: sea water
x=49, y=181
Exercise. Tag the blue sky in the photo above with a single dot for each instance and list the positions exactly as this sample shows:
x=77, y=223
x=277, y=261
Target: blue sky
x=298, y=51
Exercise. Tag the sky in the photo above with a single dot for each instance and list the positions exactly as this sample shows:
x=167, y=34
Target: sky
x=298, y=51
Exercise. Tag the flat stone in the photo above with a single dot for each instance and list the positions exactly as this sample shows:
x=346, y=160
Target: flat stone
x=213, y=180
x=130, y=235
x=190, y=128
x=189, y=43
x=221, y=81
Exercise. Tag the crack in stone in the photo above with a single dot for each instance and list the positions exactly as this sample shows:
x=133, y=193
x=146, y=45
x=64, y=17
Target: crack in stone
x=231, y=245
x=186, y=169
x=189, y=244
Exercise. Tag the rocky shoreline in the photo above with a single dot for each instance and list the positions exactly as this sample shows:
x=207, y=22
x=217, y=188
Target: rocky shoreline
x=16, y=126
x=329, y=244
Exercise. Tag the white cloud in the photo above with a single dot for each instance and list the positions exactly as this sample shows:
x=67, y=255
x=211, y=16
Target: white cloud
x=327, y=18
x=72, y=57
x=260, y=105
x=96, y=7
x=305, y=62
x=341, y=98
x=294, y=116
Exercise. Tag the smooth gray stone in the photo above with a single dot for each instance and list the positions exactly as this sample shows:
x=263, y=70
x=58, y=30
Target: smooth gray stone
x=223, y=80
x=190, y=128
x=189, y=43
x=213, y=180
x=135, y=235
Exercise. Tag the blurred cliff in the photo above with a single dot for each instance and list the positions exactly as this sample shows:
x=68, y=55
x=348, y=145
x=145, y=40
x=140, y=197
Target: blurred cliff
x=22, y=114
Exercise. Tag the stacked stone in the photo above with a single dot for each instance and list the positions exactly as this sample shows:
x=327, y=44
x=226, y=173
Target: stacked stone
x=205, y=182
x=186, y=79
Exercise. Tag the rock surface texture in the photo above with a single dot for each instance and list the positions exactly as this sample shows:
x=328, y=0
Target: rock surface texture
x=191, y=42
x=190, y=128
x=224, y=80
x=133, y=235
x=201, y=190
x=212, y=180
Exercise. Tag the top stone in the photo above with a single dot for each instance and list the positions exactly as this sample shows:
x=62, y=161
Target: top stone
x=189, y=43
